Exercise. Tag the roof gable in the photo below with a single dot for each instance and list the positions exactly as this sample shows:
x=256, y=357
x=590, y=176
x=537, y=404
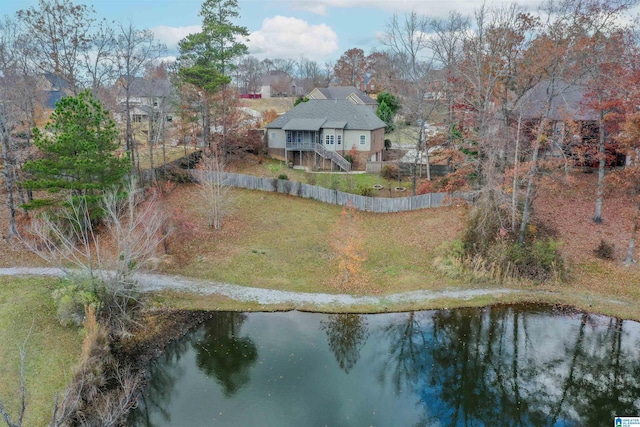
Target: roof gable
x=342, y=92
x=335, y=114
x=568, y=102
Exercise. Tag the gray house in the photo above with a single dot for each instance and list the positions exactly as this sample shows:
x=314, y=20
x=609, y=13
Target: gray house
x=323, y=129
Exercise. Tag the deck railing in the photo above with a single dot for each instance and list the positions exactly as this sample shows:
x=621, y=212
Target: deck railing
x=333, y=156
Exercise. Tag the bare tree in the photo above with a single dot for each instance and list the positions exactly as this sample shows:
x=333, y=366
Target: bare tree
x=407, y=38
x=135, y=50
x=60, y=32
x=99, y=58
x=446, y=43
x=213, y=188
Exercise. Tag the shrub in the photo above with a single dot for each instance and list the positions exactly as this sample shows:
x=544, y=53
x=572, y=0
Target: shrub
x=73, y=295
x=349, y=158
x=605, y=250
x=390, y=172
x=283, y=176
x=365, y=191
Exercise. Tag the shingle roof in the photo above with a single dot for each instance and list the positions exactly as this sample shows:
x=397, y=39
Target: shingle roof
x=150, y=88
x=343, y=92
x=335, y=124
x=304, y=124
x=568, y=102
x=353, y=115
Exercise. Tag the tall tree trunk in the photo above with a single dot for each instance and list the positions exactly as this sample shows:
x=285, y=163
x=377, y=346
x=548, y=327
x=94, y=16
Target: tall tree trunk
x=602, y=155
x=528, y=198
x=150, y=138
x=129, y=130
x=632, y=240
x=206, y=122
x=5, y=141
x=514, y=192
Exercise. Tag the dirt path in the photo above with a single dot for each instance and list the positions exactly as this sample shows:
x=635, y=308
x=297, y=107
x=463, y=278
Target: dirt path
x=156, y=282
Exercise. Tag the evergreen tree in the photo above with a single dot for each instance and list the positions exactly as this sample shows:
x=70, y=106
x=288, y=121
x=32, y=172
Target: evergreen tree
x=206, y=58
x=388, y=106
x=78, y=148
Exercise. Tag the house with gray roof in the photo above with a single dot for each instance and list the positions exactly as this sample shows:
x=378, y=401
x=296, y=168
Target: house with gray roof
x=322, y=130
x=574, y=128
x=350, y=93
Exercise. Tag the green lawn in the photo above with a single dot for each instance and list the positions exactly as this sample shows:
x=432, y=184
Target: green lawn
x=52, y=351
x=347, y=182
x=283, y=242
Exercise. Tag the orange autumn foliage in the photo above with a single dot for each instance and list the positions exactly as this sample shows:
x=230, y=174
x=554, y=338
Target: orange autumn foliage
x=349, y=252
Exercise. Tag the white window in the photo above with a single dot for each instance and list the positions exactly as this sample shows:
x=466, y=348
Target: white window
x=339, y=139
x=363, y=139
x=273, y=136
x=328, y=139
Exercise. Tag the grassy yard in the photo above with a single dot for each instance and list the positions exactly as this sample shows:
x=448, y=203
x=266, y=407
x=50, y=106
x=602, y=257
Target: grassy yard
x=347, y=182
x=282, y=242
x=171, y=153
x=51, y=351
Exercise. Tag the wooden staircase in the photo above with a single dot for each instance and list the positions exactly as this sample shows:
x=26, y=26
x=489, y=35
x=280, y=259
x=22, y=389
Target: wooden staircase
x=333, y=156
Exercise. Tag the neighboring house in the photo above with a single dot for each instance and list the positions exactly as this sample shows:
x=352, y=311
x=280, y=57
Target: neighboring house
x=350, y=93
x=49, y=89
x=149, y=104
x=322, y=129
x=277, y=83
x=368, y=84
x=574, y=124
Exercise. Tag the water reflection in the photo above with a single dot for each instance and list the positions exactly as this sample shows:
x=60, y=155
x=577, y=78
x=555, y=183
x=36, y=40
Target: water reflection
x=346, y=334
x=223, y=355
x=511, y=366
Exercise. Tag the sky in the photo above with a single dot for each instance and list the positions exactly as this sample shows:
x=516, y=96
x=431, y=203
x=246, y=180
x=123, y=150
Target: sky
x=319, y=30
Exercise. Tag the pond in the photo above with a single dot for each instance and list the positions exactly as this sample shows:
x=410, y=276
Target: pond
x=500, y=365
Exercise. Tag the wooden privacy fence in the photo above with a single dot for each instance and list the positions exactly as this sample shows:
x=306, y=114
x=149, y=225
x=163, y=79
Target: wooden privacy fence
x=335, y=197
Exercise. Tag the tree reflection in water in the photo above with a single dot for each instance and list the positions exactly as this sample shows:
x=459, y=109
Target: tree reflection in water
x=162, y=375
x=508, y=364
x=223, y=355
x=346, y=334
x=501, y=365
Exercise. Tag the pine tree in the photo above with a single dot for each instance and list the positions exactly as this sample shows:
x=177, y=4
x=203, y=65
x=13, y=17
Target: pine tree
x=78, y=148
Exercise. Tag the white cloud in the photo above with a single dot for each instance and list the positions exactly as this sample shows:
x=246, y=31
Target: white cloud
x=287, y=37
x=431, y=8
x=172, y=35
x=313, y=7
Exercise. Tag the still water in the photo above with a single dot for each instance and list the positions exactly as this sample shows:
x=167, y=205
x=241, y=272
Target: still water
x=494, y=366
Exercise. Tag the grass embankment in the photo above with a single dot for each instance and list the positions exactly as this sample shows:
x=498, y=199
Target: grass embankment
x=282, y=242
x=51, y=351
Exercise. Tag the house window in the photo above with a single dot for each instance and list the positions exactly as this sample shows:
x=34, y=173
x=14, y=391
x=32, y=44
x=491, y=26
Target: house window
x=363, y=139
x=273, y=136
x=328, y=139
x=169, y=118
x=298, y=136
x=137, y=118
x=339, y=139
x=288, y=136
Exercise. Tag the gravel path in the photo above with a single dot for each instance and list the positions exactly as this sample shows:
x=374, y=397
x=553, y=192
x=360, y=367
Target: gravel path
x=156, y=282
